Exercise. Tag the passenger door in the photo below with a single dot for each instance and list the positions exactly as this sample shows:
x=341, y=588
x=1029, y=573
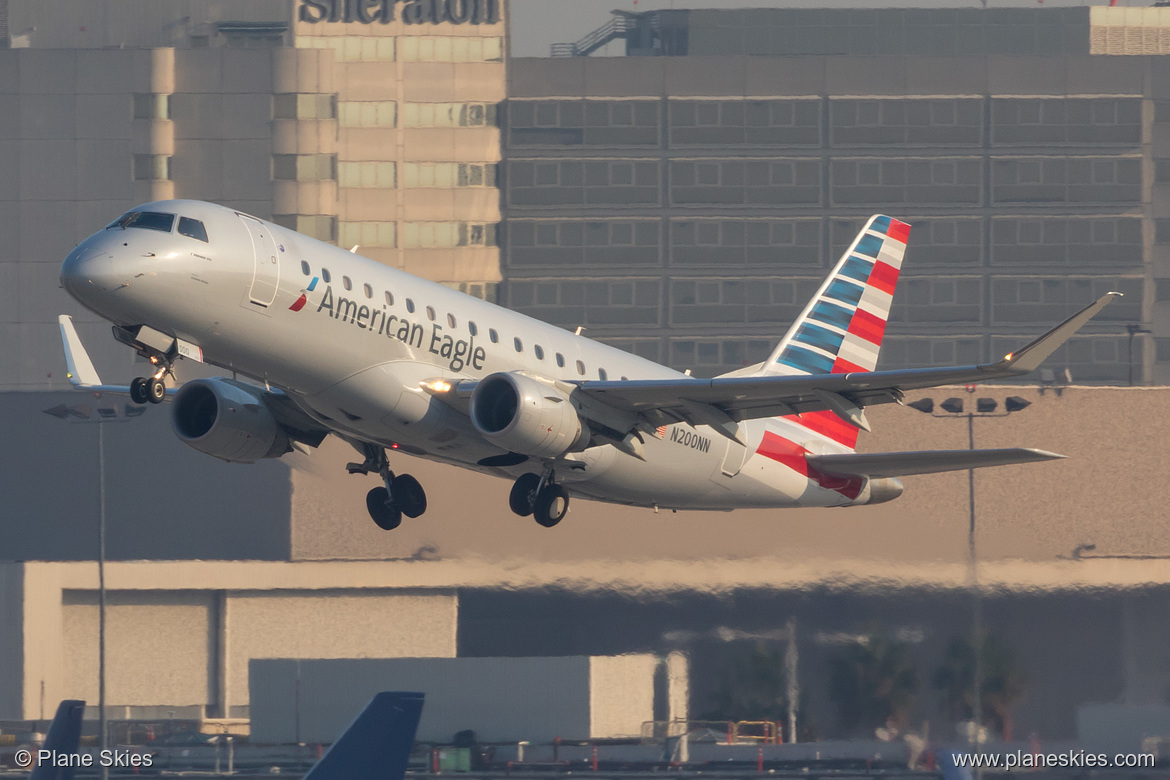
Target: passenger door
x=266, y=268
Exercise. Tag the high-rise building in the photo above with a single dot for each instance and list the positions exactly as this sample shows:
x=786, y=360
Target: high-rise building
x=373, y=128
x=686, y=199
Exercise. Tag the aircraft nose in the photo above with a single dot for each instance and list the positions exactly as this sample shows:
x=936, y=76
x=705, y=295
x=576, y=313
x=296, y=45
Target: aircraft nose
x=88, y=268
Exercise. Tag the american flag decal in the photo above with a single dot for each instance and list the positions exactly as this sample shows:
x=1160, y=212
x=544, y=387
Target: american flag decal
x=661, y=432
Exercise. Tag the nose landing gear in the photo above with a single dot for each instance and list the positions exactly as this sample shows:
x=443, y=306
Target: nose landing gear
x=399, y=495
x=540, y=497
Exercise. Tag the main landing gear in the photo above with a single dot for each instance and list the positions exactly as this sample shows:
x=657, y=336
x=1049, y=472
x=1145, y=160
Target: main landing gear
x=399, y=495
x=541, y=497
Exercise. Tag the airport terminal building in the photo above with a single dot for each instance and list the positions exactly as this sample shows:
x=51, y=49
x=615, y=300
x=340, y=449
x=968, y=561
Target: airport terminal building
x=680, y=200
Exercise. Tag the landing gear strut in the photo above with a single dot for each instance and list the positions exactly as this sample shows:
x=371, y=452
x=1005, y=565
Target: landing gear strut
x=399, y=495
x=541, y=497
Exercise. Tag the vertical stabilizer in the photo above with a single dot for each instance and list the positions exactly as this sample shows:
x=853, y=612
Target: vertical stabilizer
x=841, y=328
x=64, y=737
x=376, y=746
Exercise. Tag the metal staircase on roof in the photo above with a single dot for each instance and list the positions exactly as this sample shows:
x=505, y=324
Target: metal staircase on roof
x=615, y=28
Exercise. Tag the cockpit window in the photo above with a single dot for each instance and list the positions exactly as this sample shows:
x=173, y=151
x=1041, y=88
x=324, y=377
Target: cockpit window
x=193, y=228
x=151, y=220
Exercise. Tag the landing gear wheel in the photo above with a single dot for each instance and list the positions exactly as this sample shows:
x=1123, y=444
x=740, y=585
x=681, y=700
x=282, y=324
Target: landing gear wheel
x=156, y=390
x=409, y=495
x=552, y=504
x=523, y=495
x=138, y=391
x=382, y=509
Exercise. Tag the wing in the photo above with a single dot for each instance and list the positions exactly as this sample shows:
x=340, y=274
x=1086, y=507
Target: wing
x=722, y=402
x=901, y=464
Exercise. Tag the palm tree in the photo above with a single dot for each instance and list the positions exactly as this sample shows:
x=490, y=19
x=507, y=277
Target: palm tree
x=874, y=682
x=1004, y=682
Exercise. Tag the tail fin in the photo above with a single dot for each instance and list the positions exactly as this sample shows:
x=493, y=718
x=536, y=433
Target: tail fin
x=841, y=329
x=64, y=737
x=376, y=746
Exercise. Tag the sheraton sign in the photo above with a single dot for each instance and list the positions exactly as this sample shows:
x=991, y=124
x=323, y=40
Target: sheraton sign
x=411, y=11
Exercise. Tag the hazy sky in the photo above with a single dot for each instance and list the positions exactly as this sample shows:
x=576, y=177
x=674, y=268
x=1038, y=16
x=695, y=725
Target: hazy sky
x=536, y=24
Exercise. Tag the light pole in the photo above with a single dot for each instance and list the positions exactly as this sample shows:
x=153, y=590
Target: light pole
x=84, y=413
x=1133, y=329
x=984, y=407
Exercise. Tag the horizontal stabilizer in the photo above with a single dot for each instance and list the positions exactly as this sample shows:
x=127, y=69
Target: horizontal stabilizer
x=901, y=464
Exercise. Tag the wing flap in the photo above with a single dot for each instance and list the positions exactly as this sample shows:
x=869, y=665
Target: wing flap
x=901, y=464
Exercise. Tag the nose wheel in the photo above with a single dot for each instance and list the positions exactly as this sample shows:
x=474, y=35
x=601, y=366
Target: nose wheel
x=399, y=495
x=148, y=390
x=540, y=497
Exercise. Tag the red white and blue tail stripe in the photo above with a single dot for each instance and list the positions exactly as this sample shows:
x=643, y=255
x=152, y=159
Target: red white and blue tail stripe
x=841, y=329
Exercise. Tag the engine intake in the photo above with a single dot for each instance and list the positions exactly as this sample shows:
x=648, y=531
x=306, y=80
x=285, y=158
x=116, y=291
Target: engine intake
x=227, y=420
x=520, y=414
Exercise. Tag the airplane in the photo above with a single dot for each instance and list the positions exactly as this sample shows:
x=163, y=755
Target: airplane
x=62, y=739
x=335, y=343
x=376, y=746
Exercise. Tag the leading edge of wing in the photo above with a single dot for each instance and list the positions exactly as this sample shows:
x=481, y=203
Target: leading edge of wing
x=743, y=393
x=901, y=464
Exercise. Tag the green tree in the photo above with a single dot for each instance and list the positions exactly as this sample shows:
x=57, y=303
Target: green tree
x=754, y=688
x=874, y=682
x=1004, y=682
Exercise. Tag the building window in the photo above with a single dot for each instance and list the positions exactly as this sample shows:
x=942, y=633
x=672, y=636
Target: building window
x=372, y=113
x=152, y=167
x=366, y=174
x=449, y=175
x=319, y=226
x=441, y=48
x=435, y=235
x=292, y=105
x=304, y=167
x=367, y=234
x=151, y=106
x=448, y=114
x=351, y=48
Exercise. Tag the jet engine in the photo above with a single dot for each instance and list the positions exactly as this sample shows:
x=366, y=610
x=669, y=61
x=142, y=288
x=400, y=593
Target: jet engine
x=520, y=414
x=228, y=420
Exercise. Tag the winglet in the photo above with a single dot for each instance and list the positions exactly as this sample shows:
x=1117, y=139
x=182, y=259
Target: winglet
x=1029, y=358
x=77, y=362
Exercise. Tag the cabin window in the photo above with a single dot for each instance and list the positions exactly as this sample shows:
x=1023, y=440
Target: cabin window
x=369, y=290
x=495, y=337
x=539, y=350
x=580, y=368
x=602, y=375
x=389, y=299
x=518, y=344
x=192, y=228
x=305, y=267
x=471, y=327
x=431, y=313
x=451, y=320
x=410, y=305
x=346, y=283
x=325, y=277
x=625, y=379
x=560, y=360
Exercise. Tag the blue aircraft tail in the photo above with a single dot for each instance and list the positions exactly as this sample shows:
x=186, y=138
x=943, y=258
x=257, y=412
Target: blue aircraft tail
x=376, y=746
x=64, y=737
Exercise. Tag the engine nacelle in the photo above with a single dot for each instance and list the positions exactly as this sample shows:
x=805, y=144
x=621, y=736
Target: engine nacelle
x=227, y=420
x=520, y=414
x=884, y=489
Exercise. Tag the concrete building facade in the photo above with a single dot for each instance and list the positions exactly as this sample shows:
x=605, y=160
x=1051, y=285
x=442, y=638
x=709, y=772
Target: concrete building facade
x=685, y=205
x=377, y=135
